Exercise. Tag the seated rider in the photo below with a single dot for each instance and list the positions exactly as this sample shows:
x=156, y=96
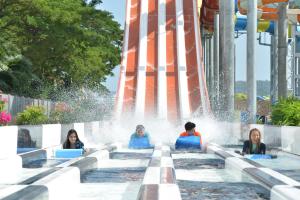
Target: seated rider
x=73, y=141
x=254, y=145
x=190, y=131
x=139, y=132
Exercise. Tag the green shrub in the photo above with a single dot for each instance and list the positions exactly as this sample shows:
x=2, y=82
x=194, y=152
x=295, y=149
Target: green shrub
x=286, y=112
x=2, y=104
x=32, y=115
x=240, y=97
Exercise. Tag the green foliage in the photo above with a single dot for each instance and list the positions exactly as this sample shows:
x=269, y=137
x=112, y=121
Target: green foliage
x=68, y=42
x=286, y=112
x=240, y=97
x=19, y=79
x=32, y=115
x=2, y=104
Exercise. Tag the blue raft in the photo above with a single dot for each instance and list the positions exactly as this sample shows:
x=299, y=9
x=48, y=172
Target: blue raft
x=188, y=142
x=68, y=153
x=259, y=156
x=139, y=143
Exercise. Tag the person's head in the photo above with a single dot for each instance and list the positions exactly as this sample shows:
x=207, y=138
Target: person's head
x=72, y=137
x=254, y=136
x=140, y=130
x=24, y=137
x=190, y=128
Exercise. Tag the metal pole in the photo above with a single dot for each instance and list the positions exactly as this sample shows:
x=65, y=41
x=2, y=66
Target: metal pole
x=216, y=61
x=274, y=66
x=293, y=58
x=204, y=56
x=211, y=67
x=251, y=60
x=207, y=60
x=221, y=57
x=282, y=50
x=229, y=59
x=297, y=78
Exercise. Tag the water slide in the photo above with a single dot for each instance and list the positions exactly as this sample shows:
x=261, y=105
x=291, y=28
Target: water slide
x=162, y=73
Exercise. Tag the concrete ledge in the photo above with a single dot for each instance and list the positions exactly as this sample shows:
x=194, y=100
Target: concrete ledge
x=10, y=169
x=155, y=162
x=166, y=162
x=212, y=149
x=159, y=192
x=237, y=164
x=255, y=164
x=223, y=154
x=38, y=176
x=86, y=164
x=162, y=147
x=263, y=178
x=152, y=176
x=267, y=177
x=33, y=155
x=167, y=175
x=169, y=191
x=148, y=192
x=100, y=155
x=32, y=192
x=280, y=177
x=62, y=184
x=284, y=192
x=157, y=153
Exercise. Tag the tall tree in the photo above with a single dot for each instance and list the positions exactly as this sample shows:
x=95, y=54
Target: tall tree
x=67, y=41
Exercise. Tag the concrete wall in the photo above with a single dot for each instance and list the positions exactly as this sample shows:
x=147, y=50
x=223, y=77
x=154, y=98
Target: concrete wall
x=290, y=139
x=8, y=135
x=43, y=136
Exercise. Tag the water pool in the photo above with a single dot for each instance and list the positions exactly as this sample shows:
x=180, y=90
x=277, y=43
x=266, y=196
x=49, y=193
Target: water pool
x=203, y=176
x=41, y=163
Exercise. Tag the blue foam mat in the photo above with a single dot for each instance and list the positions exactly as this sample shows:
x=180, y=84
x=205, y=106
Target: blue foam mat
x=139, y=143
x=258, y=156
x=68, y=153
x=188, y=142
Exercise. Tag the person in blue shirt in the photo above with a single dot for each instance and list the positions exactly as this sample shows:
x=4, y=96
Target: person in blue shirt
x=73, y=141
x=140, y=138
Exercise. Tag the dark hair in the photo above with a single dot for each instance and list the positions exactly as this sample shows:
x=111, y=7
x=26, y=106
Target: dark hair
x=24, y=139
x=67, y=144
x=139, y=127
x=250, y=141
x=189, y=126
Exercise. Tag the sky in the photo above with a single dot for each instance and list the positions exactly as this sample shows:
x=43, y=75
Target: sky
x=117, y=8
